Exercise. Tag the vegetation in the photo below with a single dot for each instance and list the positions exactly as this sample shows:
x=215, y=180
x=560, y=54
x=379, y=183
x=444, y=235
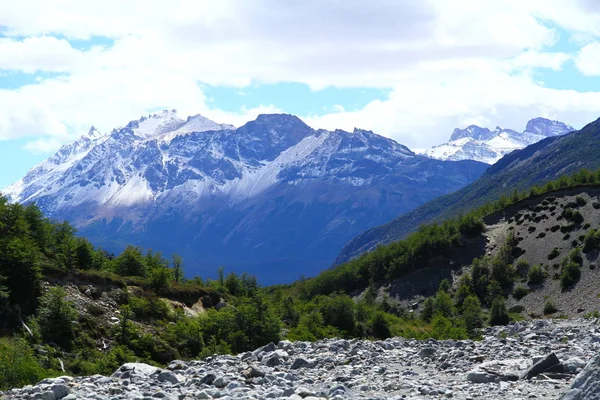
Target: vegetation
x=152, y=329
x=536, y=275
x=549, y=307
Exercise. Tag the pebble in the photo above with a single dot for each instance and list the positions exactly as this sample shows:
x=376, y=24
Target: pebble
x=508, y=363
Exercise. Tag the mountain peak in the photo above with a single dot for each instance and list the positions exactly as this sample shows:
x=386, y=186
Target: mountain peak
x=471, y=131
x=546, y=127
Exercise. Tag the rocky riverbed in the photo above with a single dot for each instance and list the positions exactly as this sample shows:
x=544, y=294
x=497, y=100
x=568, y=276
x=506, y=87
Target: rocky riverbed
x=525, y=360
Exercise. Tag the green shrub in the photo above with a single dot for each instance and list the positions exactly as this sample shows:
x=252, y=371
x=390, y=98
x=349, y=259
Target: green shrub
x=18, y=366
x=591, y=241
x=580, y=201
x=445, y=328
x=536, y=275
x=380, y=326
x=553, y=254
x=549, y=307
x=570, y=274
x=498, y=312
x=522, y=267
x=596, y=205
x=443, y=304
x=519, y=292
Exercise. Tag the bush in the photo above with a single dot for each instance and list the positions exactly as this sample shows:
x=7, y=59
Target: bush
x=522, y=267
x=536, y=275
x=570, y=274
x=591, y=241
x=18, y=366
x=549, y=307
x=444, y=328
x=380, y=326
x=553, y=254
x=443, y=304
x=498, y=312
x=520, y=292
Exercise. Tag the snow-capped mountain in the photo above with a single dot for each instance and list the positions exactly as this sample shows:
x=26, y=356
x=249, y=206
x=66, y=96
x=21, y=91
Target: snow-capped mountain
x=484, y=145
x=274, y=197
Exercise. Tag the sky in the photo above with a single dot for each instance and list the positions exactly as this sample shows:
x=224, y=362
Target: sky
x=409, y=70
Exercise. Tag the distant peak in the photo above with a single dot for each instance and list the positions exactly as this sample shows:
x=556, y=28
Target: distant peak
x=546, y=127
x=471, y=131
x=93, y=133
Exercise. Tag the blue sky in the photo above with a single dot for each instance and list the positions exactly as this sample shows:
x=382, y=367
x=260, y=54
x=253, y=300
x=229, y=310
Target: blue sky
x=416, y=71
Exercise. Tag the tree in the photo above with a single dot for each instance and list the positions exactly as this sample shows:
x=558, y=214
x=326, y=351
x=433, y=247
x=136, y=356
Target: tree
x=177, y=268
x=498, y=312
x=443, y=304
x=221, y=275
x=130, y=263
x=428, y=309
x=472, y=315
x=160, y=279
x=56, y=316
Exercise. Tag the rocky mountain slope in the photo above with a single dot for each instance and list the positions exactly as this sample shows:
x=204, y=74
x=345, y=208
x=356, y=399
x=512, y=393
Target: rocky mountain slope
x=482, y=144
x=546, y=234
x=524, y=360
x=519, y=170
x=274, y=198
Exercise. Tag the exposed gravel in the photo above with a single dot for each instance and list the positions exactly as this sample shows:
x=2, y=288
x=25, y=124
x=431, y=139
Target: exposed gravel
x=495, y=368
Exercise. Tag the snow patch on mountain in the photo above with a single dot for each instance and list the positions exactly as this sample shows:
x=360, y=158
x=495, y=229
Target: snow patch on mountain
x=489, y=146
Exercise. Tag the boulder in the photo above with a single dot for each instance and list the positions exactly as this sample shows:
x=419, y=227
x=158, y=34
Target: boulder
x=587, y=384
x=550, y=363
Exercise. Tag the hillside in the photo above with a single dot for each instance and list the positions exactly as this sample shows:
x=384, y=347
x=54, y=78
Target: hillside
x=273, y=198
x=535, y=165
x=68, y=308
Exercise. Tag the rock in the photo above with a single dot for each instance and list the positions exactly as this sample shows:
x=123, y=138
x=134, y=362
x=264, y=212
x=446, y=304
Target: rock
x=549, y=363
x=168, y=376
x=140, y=368
x=302, y=363
x=587, y=384
x=271, y=360
x=60, y=391
x=427, y=352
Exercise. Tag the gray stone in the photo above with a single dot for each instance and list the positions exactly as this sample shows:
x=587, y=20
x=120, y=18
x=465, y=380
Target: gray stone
x=60, y=391
x=549, y=363
x=587, y=384
x=302, y=363
x=168, y=376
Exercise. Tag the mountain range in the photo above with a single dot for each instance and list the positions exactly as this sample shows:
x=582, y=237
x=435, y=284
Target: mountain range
x=535, y=165
x=274, y=198
x=489, y=146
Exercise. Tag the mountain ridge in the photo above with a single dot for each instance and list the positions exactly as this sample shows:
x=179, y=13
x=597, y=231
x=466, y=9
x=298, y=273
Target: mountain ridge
x=519, y=170
x=272, y=195
x=485, y=145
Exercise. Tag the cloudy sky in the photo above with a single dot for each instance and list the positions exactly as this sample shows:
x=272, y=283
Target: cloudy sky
x=411, y=70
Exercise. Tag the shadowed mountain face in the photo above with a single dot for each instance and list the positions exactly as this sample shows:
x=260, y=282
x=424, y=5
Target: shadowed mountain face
x=534, y=165
x=274, y=198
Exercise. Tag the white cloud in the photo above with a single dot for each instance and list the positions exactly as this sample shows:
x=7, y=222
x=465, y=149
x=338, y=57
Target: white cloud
x=588, y=59
x=447, y=63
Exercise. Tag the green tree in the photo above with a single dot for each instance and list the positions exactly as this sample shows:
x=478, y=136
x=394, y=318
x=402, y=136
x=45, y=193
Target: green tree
x=428, y=309
x=56, y=317
x=498, y=312
x=380, y=326
x=130, y=263
x=443, y=304
x=160, y=279
x=18, y=366
x=472, y=315
x=177, y=268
